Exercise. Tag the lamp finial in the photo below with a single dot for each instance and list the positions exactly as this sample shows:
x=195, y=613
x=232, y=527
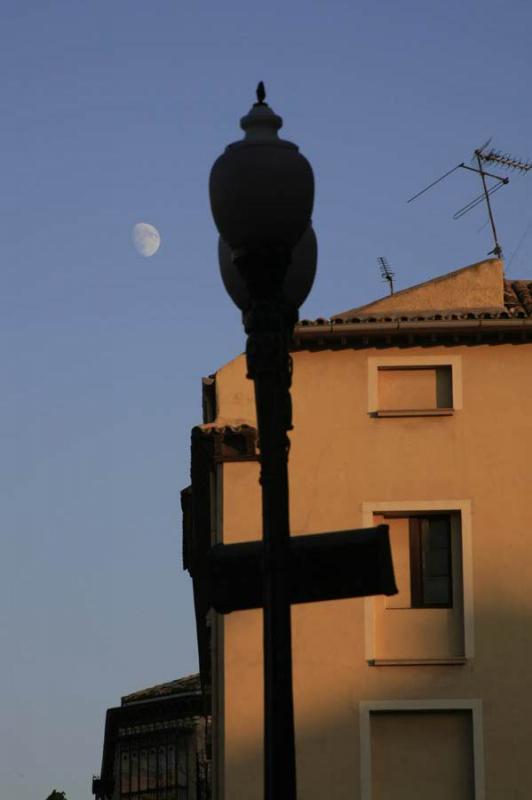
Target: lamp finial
x=261, y=94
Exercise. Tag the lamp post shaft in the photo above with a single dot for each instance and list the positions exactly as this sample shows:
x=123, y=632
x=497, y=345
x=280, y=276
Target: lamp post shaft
x=262, y=193
x=269, y=327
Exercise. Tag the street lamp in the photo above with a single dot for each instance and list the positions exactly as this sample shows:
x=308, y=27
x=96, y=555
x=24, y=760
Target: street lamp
x=297, y=282
x=262, y=193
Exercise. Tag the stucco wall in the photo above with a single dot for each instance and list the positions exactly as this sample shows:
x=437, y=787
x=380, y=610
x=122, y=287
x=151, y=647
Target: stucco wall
x=476, y=286
x=341, y=457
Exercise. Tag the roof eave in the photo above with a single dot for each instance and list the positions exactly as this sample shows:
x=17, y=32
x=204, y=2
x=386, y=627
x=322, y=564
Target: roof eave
x=324, y=333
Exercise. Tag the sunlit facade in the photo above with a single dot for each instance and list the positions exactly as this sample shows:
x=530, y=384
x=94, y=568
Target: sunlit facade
x=414, y=411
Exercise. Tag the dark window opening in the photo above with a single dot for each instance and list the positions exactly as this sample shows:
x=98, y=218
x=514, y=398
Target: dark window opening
x=431, y=562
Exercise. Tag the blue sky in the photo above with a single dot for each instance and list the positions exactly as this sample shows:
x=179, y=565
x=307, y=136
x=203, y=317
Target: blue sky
x=113, y=113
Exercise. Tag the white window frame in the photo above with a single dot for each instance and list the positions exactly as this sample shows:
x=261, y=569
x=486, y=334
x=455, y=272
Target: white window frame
x=414, y=362
x=370, y=508
x=366, y=707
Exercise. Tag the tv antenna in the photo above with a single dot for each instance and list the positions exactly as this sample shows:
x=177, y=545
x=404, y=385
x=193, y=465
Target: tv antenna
x=386, y=273
x=484, y=156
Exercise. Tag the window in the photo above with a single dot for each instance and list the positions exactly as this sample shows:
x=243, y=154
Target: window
x=414, y=386
x=426, y=551
x=159, y=769
x=430, y=562
x=418, y=389
x=427, y=748
x=425, y=621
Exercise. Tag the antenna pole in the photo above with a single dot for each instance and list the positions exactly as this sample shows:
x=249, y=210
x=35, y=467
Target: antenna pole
x=497, y=250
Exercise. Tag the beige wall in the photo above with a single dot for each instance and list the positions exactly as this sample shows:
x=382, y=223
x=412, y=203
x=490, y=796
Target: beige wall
x=341, y=458
x=476, y=286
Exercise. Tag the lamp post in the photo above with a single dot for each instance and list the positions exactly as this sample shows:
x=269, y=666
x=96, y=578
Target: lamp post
x=262, y=192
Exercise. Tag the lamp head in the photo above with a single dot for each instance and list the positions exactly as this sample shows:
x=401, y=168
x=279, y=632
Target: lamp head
x=261, y=188
x=297, y=281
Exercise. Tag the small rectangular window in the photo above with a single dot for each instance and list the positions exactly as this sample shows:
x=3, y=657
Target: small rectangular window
x=422, y=753
x=417, y=390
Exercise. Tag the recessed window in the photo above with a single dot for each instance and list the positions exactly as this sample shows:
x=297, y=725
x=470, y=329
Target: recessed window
x=423, y=389
x=424, y=620
x=414, y=386
x=424, y=748
x=412, y=752
x=426, y=552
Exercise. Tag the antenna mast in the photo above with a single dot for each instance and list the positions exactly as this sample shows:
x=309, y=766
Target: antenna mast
x=386, y=273
x=492, y=157
x=497, y=250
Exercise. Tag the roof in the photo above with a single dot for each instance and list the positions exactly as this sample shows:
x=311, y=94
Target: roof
x=473, y=304
x=518, y=297
x=517, y=304
x=478, y=291
x=174, y=704
x=187, y=685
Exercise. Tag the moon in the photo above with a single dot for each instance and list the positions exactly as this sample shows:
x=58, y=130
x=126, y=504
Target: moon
x=146, y=239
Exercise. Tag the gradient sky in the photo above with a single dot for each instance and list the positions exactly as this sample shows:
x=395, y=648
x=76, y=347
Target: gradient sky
x=113, y=112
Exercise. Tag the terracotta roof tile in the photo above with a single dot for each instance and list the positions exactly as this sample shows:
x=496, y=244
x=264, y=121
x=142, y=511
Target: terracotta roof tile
x=186, y=685
x=518, y=295
x=212, y=428
x=424, y=316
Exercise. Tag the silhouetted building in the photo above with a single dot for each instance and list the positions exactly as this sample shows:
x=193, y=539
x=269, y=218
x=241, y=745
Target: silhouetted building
x=155, y=745
x=415, y=411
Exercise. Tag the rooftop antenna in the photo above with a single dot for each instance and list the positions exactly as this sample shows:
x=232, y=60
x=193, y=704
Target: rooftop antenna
x=484, y=156
x=386, y=273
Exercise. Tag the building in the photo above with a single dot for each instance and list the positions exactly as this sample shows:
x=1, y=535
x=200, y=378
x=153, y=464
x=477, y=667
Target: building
x=156, y=745
x=415, y=410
